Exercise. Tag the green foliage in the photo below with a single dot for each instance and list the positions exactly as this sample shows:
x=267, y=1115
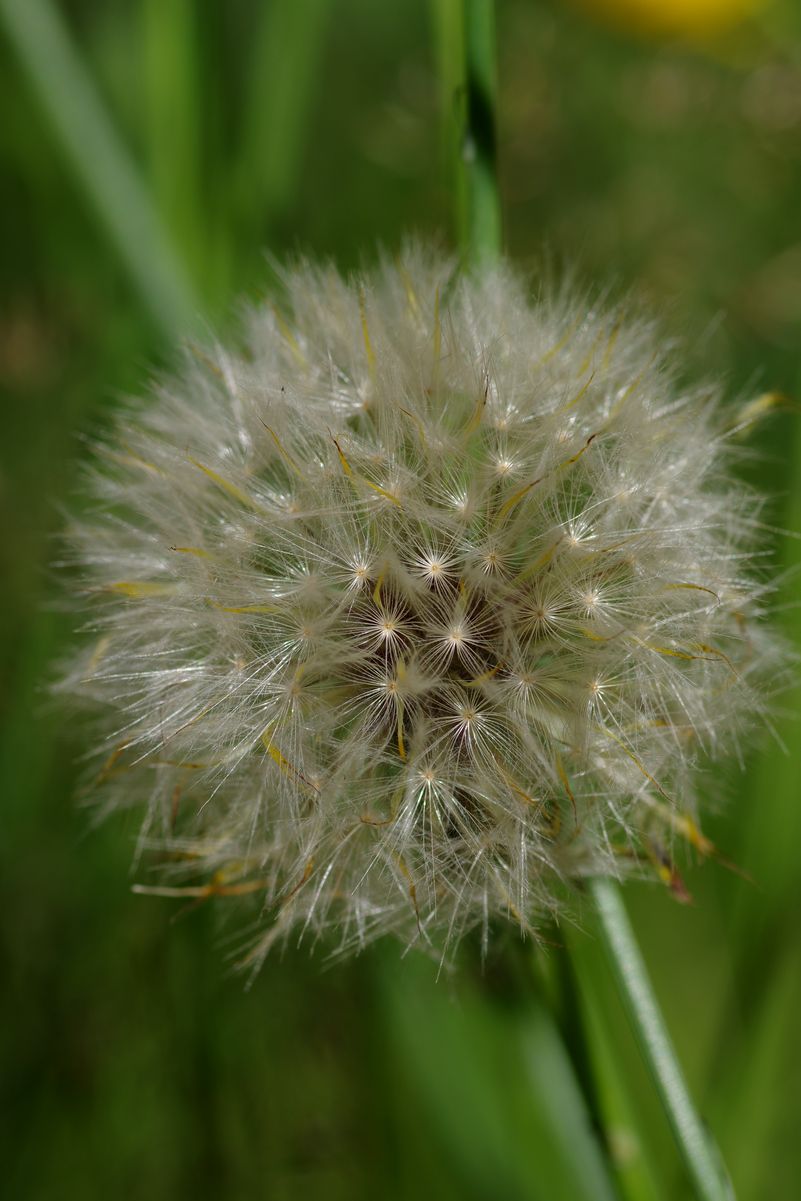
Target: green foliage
x=134, y=1063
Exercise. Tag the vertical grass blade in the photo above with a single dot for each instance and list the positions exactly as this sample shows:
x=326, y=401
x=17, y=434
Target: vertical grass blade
x=496, y=1086
x=623, y=954
x=98, y=159
x=448, y=35
x=589, y=1001
x=465, y=50
x=759, y=1096
x=479, y=150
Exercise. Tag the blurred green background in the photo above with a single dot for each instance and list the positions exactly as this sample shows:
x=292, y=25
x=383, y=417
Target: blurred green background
x=135, y=1064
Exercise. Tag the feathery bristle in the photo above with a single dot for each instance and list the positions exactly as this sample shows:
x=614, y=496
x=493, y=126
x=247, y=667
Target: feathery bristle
x=428, y=600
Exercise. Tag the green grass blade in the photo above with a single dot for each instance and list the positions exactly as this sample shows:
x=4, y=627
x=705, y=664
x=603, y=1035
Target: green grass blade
x=617, y=1078
x=623, y=954
x=464, y=42
x=98, y=159
x=557, y=1108
x=759, y=1087
x=496, y=1085
x=448, y=36
x=480, y=139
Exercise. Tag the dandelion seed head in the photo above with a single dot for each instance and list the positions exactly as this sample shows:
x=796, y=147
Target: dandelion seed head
x=421, y=606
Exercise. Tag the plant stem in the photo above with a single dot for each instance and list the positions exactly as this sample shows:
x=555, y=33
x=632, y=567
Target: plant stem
x=448, y=35
x=477, y=148
x=99, y=159
x=700, y=1158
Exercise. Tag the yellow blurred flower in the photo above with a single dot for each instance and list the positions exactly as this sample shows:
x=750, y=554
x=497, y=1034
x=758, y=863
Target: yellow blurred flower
x=688, y=18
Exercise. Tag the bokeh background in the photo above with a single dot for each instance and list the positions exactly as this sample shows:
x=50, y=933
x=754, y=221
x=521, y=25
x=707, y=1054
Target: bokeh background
x=654, y=146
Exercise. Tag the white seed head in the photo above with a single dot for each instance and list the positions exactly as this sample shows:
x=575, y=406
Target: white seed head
x=429, y=600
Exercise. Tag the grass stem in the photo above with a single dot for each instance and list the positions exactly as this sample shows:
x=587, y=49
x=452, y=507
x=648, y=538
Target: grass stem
x=98, y=159
x=471, y=103
x=700, y=1157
